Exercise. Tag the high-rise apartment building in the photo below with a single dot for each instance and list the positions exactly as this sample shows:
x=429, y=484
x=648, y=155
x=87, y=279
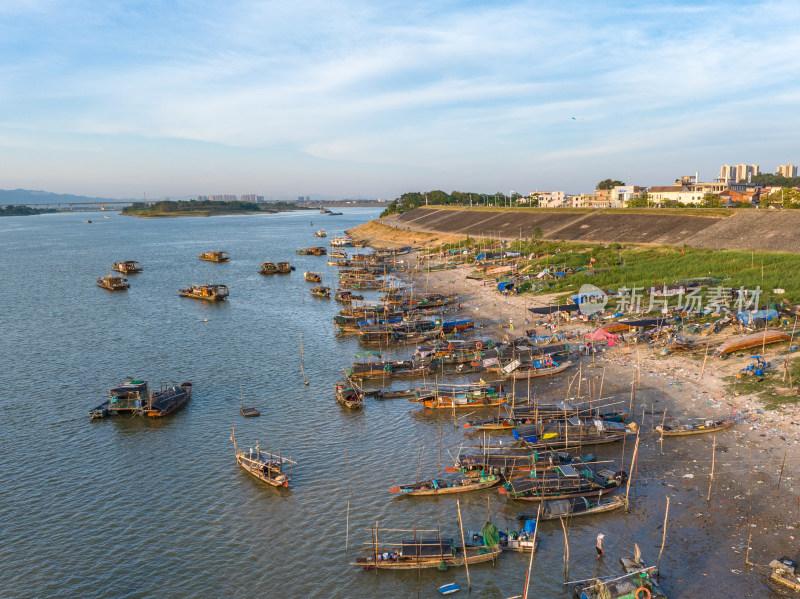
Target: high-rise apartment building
x=787, y=170
x=737, y=173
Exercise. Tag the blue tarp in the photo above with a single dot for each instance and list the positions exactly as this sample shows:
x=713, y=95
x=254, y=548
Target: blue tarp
x=580, y=298
x=749, y=317
x=505, y=286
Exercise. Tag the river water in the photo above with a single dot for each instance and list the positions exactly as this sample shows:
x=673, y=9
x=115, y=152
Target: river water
x=128, y=507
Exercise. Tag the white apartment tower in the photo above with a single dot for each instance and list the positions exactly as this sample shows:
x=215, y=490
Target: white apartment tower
x=787, y=170
x=740, y=172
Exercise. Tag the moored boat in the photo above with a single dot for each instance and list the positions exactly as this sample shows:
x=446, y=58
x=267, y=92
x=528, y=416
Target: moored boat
x=346, y=296
x=439, y=486
x=312, y=277
x=215, y=256
x=127, y=267
x=564, y=482
x=686, y=428
x=636, y=583
x=264, y=465
x=348, y=396
x=168, y=399
x=321, y=233
x=129, y=397
x=321, y=291
x=268, y=268
x=784, y=572
x=312, y=251
x=209, y=293
x=284, y=268
x=572, y=432
x=113, y=283
x=577, y=506
x=424, y=550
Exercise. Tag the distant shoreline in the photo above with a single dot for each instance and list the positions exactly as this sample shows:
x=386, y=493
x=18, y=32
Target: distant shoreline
x=155, y=213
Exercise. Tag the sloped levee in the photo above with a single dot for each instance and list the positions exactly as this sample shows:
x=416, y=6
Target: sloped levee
x=747, y=229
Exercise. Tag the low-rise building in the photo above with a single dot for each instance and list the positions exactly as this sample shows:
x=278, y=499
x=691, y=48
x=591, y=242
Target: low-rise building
x=547, y=199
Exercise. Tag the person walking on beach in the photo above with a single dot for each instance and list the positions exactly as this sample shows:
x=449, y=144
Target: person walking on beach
x=599, y=546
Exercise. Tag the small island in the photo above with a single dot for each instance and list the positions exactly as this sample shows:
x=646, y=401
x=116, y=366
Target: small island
x=12, y=210
x=168, y=208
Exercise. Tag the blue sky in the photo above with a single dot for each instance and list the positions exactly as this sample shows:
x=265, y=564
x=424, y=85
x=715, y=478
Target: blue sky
x=371, y=99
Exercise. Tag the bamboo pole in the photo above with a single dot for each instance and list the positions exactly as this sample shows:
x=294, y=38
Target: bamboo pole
x=530, y=562
x=566, y=550
x=347, y=467
x=663, y=539
x=780, y=476
x=713, y=459
x=347, y=528
x=602, y=380
x=747, y=553
x=663, y=420
x=303, y=370
x=630, y=476
x=703, y=369
x=463, y=543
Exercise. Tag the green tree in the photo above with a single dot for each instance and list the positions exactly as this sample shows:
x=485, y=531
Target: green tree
x=711, y=200
x=536, y=233
x=640, y=201
x=609, y=184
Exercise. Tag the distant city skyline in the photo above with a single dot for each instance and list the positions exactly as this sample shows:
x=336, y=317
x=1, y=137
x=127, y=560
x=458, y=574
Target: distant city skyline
x=122, y=99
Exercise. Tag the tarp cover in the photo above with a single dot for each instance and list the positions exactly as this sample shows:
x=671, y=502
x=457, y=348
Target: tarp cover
x=749, y=317
x=601, y=335
x=554, y=309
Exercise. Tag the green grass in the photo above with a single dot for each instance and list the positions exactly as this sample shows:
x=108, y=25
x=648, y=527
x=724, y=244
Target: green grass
x=771, y=388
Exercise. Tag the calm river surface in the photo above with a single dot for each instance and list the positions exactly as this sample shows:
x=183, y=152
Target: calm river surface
x=158, y=508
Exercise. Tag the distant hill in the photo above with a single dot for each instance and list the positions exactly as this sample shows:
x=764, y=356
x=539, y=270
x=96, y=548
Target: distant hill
x=27, y=196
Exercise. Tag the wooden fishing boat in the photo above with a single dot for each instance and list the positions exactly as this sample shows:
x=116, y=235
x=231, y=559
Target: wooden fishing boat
x=636, y=583
x=312, y=251
x=562, y=410
x=127, y=267
x=371, y=365
x=346, y=296
x=437, y=486
x=518, y=370
x=398, y=393
x=348, y=396
x=421, y=552
x=564, y=482
x=209, y=293
x=750, y=341
x=265, y=466
x=321, y=233
x=515, y=465
x=498, y=423
x=130, y=397
x=578, y=506
x=471, y=396
x=284, y=268
x=686, y=428
x=168, y=399
x=312, y=277
x=113, y=283
x=784, y=572
x=268, y=268
x=215, y=256
x=338, y=254
x=572, y=432
x=339, y=241
x=321, y=291
x=338, y=262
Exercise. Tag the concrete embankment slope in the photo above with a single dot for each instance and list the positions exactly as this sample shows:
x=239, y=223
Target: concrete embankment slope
x=746, y=229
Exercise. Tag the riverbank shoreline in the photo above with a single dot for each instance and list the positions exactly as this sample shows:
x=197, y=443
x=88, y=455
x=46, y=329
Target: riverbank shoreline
x=751, y=485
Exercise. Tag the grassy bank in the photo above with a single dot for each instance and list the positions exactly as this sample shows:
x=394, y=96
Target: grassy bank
x=777, y=388
x=614, y=266
x=708, y=212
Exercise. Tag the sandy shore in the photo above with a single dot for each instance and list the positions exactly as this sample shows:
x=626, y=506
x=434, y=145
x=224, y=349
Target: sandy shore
x=754, y=483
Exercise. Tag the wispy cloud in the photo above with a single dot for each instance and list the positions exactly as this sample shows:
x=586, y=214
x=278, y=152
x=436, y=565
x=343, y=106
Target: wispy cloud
x=428, y=90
